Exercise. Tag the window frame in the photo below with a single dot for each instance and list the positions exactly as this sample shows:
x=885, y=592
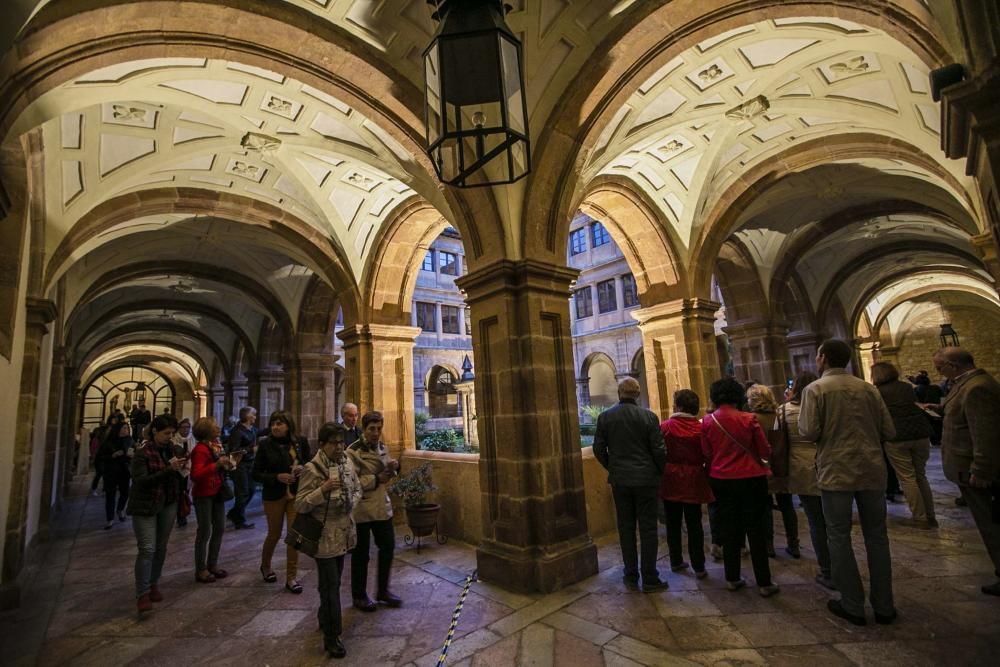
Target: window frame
x=587, y=301
x=579, y=234
x=455, y=269
x=445, y=319
x=606, y=297
x=599, y=235
x=630, y=297
x=429, y=256
x=426, y=306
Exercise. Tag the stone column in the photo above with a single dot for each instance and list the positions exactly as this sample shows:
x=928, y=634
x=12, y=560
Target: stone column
x=227, y=402
x=865, y=354
x=39, y=313
x=531, y=472
x=760, y=353
x=253, y=391
x=312, y=393
x=467, y=401
x=678, y=342
x=57, y=437
x=378, y=366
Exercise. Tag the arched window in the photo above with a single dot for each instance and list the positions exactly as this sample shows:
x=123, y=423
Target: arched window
x=443, y=398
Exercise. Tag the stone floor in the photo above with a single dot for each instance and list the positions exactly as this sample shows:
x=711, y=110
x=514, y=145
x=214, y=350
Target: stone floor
x=80, y=609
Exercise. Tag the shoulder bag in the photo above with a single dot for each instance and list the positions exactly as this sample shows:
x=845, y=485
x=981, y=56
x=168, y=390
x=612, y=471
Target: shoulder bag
x=763, y=463
x=306, y=532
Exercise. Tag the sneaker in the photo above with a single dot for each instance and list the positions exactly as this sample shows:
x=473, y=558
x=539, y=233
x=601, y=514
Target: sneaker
x=768, y=591
x=736, y=585
x=654, y=586
x=680, y=567
x=144, y=604
x=838, y=610
x=716, y=551
x=154, y=594
x=825, y=582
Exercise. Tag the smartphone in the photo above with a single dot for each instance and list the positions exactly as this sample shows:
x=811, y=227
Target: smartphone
x=790, y=383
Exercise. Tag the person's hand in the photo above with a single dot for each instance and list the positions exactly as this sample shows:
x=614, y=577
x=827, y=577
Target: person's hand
x=297, y=471
x=286, y=477
x=117, y=454
x=177, y=464
x=223, y=462
x=978, y=483
x=330, y=484
x=383, y=476
x=393, y=465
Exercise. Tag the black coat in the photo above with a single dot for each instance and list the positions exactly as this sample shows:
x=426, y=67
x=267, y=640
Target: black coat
x=273, y=459
x=243, y=439
x=628, y=442
x=911, y=422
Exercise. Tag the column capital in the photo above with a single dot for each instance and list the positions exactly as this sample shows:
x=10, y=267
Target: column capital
x=366, y=333
x=684, y=309
x=969, y=113
x=316, y=361
x=519, y=275
x=756, y=329
x=40, y=313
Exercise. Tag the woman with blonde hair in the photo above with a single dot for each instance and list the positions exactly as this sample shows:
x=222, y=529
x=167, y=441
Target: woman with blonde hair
x=761, y=402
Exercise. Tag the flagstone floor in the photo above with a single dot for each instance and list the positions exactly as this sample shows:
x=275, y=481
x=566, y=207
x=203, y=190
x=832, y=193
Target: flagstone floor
x=79, y=609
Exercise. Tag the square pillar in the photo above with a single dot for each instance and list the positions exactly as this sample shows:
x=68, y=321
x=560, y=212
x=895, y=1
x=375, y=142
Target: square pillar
x=531, y=471
x=760, y=353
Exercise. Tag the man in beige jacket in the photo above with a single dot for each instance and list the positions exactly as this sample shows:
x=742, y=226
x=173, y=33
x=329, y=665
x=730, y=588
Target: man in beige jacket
x=847, y=419
x=970, y=443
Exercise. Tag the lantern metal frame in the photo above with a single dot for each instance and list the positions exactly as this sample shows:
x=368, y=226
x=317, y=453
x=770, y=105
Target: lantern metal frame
x=949, y=337
x=499, y=31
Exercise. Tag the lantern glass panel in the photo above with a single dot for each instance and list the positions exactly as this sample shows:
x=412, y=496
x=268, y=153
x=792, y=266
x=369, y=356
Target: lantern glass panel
x=512, y=86
x=432, y=74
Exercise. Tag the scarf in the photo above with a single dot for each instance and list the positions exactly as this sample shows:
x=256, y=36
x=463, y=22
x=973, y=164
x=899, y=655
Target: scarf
x=345, y=493
x=166, y=491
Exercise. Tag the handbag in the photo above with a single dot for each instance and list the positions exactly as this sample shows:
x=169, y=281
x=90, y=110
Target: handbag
x=183, y=505
x=763, y=463
x=226, y=490
x=306, y=531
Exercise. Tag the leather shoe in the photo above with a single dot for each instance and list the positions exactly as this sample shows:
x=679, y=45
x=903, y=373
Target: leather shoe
x=838, y=610
x=885, y=619
x=631, y=583
x=244, y=526
x=389, y=600
x=144, y=604
x=154, y=594
x=365, y=604
x=654, y=585
x=335, y=648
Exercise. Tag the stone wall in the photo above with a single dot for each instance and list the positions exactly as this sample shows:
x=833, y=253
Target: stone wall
x=978, y=330
x=457, y=479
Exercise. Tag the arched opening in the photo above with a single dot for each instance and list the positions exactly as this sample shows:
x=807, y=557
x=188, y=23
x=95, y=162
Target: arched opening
x=122, y=390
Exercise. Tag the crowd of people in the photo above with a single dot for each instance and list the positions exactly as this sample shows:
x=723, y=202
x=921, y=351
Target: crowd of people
x=831, y=442
x=177, y=467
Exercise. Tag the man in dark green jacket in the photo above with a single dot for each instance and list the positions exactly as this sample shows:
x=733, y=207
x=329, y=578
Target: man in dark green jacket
x=629, y=444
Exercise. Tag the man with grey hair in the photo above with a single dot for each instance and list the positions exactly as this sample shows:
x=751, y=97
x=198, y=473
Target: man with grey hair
x=970, y=443
x=629, y=444
x=349, y=418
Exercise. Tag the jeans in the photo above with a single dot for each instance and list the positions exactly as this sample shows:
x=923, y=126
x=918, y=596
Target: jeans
x=909, y=459
x=691, y=514
x=111, y=485
x=979, y=501
x=329, y=571
x=151, y=535
x=244, y=488
x=277, y=512
x=211, y=514
x=385, y=540
x=637, y=505
x=837, y=510
x=788, y=517
x=744, y=509
x=813, y=507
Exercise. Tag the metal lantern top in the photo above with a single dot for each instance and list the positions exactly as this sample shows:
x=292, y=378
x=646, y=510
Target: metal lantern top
x=949, y=337
x=475, y=107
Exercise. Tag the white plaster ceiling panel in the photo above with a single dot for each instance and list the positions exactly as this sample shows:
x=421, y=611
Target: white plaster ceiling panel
x=753, y=92
x=229, y=127
x=185, y=363
x=936, y=281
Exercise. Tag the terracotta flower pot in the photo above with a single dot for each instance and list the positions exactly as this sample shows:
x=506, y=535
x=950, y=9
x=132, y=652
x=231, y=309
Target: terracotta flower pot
x=422, y=519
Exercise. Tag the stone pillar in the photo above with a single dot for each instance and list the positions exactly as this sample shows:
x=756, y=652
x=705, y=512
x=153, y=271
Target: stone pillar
x=378, y=366
x=57, y=437
x=531, y=471
x=312, y=393
x=760, y=353
x=210, y=407
x=467, y=401
x=678, y=342
x=582, y=392
x=227, y=402
x=39, y=313
x=865, y=354
x=253, y=391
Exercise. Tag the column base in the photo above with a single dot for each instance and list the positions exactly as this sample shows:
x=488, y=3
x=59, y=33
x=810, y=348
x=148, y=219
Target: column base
x=532, y=570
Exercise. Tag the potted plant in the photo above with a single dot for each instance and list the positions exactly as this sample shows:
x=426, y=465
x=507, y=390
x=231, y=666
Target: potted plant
x=413, y=488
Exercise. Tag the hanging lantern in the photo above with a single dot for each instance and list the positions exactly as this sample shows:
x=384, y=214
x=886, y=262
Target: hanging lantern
x=949, y=337
x=476, y=113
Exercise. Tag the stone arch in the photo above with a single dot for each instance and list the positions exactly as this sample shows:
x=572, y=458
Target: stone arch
x=317, y=318
x=739, y=282
x=792, y=306
x=648, y=243
x=602, y=375
x=440, y=395
x=651, y=40
x=165, y=343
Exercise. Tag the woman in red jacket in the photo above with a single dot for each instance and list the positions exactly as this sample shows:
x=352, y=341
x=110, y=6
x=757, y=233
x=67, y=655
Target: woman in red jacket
x=736, y=451
x=684, y=486
x=207, y=466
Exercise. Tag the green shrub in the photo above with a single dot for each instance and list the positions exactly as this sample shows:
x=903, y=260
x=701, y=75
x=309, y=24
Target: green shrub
x=443, y=441
x=588, y=429
x=593, y=411
x=420, y=420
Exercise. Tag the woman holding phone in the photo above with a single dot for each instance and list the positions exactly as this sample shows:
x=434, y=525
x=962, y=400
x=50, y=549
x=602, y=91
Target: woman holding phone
x=277, y=466
x=329, y=489
x=208, y=466
x=152, y=503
